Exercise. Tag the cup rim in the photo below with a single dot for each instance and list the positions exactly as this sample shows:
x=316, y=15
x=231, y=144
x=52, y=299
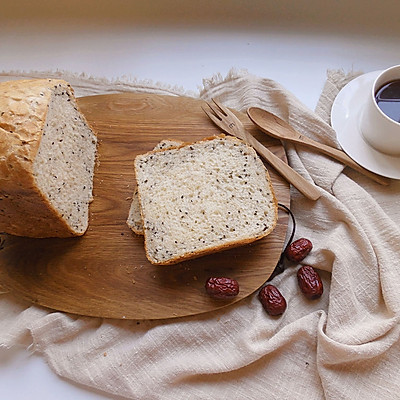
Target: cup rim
x=373, y=91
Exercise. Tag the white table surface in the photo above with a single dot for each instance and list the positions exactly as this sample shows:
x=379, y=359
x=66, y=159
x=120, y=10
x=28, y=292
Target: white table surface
x=179, y=43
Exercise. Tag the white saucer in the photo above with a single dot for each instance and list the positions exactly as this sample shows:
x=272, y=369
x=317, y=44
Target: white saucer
x=345, y=116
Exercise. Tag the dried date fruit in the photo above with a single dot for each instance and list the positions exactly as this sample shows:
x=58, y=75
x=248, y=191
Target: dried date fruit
x=222, y=288
x=272, y=300
x=310, y=282
x=298, y=250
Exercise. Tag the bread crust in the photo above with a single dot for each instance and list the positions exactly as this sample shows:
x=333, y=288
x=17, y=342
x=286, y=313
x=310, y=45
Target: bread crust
x=225, y=246
x=24, y=209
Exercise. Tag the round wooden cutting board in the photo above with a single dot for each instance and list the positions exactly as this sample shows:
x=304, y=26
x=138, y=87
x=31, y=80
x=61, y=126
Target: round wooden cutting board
x=105, y=273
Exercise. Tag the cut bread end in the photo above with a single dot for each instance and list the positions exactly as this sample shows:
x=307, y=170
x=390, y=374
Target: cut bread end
x=47, y=162
x=64, y=165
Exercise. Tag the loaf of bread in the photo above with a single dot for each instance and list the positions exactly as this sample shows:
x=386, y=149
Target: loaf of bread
x=47, y=159
x=203, y=197
x=134, y=220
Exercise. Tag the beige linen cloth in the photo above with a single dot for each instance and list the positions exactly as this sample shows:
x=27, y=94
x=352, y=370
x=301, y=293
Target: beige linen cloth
x=344, y=346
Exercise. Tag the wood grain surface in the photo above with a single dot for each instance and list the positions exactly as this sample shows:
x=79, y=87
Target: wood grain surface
x=105, y=273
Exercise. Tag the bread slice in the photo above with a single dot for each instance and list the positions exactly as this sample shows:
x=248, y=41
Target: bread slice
x=134, y=220
x=47, y=158
x=203, y=197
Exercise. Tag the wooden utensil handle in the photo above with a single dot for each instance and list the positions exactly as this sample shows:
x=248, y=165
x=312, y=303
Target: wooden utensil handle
x=301, y=184
x=343, y=158
x=280, y=129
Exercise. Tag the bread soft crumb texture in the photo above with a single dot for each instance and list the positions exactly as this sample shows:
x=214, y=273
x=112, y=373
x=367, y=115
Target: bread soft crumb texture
x=47, y=159
x=203, y=197
x=134, y=220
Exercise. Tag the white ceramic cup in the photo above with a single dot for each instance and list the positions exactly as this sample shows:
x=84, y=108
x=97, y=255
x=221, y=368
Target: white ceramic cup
x=379, y=130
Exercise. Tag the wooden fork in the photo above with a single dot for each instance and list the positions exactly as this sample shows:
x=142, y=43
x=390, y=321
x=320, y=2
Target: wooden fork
x=229, y=123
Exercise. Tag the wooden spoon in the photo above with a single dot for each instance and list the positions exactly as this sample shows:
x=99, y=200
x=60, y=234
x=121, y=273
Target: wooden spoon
x=280, y=129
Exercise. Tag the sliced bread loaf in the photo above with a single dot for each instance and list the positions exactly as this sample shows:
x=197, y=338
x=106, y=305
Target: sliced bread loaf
x=203, y=197
x=47, y=158
x=134, y=220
